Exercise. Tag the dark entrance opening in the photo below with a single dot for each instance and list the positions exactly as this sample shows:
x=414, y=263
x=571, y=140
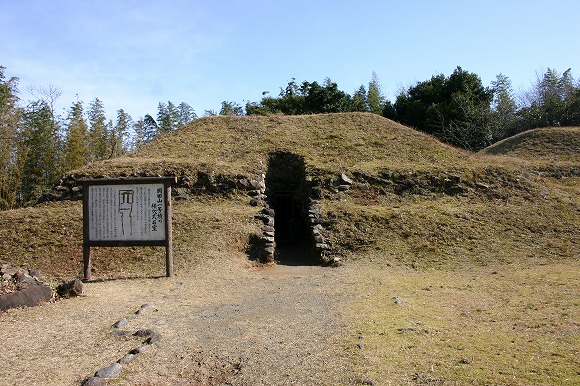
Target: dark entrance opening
x=287, y=191
x=286, y=214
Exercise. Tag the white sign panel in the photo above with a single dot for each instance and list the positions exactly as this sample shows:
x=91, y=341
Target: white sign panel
x=126, y=212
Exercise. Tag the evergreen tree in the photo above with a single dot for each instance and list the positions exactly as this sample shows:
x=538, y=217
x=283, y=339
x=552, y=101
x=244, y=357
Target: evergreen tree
x=553, y=101
x=173, y=115
x=119, y=134
x=306, y=98
x=550, y=98
x=267, y=105
x=454, y=108
x=98, y=132
x=150, y=128
x=167, y=117
x=360, y=100
x=163, y=119
x=571, y=113
x=76, y=153
x=231, y=108
x=389, y=110
x=186, y=114
x=504, y=108
x=375, y=98
x=41, y=168
x=12, y=149
x=110, y=139
x=139, y=137
x=326, y=99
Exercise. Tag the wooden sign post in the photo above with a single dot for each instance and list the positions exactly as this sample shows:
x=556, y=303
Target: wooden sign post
x=127, y=212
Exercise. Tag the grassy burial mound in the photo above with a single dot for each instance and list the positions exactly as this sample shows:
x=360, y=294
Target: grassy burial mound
x=222, y=157
x=231, y=146
x=377, y=187
x=557, y=144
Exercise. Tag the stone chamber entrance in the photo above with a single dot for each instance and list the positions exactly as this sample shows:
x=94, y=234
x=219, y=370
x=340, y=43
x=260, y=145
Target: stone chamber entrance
x=288, y=194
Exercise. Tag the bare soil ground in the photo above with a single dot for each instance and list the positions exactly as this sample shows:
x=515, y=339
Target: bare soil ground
x=233, y=324
x=227, y=322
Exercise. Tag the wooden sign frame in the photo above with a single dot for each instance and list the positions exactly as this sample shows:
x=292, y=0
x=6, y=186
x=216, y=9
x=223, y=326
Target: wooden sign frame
x=93, y=238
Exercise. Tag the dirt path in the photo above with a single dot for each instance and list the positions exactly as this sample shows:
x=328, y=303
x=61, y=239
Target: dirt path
x=223, y=324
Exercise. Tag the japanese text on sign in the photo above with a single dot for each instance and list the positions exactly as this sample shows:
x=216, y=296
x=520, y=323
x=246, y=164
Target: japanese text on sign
x=126, y=212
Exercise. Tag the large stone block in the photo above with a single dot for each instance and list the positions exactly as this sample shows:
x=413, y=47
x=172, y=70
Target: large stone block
x=28, y=297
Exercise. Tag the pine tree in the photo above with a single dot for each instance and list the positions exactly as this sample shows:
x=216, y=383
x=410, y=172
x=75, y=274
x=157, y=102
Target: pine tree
x=139, y=137
x=163, y=118
x=40, y=135
x=375, y=98
x=173, y=113
x=150, y=128
x=98, y=134
x=118, y=135
x=12, y=149
x=504, y=108
x=360, y=100
x=186, y=114
x=76, y=152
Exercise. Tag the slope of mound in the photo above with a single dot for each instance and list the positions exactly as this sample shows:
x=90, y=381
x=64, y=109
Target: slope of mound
x=331, y=142
x=49, y=238
x=558, y=144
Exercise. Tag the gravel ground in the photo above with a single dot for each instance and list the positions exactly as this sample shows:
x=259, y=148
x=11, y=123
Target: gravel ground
x=225, y=323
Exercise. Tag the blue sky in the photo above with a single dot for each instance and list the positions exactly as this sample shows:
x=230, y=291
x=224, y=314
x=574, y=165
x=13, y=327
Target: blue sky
x=134, y=54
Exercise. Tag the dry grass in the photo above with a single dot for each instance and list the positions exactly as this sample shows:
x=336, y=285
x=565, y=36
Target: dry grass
x=452, y=231
x=556, y=144
x=49, y=238
x=236, y=145
x=502, y=324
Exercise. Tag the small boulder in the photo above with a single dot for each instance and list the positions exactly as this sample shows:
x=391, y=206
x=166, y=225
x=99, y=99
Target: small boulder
x=24, y=280
x=94, y=381
x=267, y=228
x=154, y=338
x=143, y=332
x=70, y=289
x=111, y=371
x=35, y=273
x=121, y=323
x=256, y=201
x=7, y=271
x=268, y=239
x=268, y=212
x=128, y=358
x=345, y=180
x=28, y=297
x=408, y=329
x=140, y=349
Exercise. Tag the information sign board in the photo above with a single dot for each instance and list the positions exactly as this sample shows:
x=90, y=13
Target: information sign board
x=127, y=212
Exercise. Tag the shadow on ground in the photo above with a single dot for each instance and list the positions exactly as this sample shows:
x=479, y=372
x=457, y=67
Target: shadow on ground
x=295, y=254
